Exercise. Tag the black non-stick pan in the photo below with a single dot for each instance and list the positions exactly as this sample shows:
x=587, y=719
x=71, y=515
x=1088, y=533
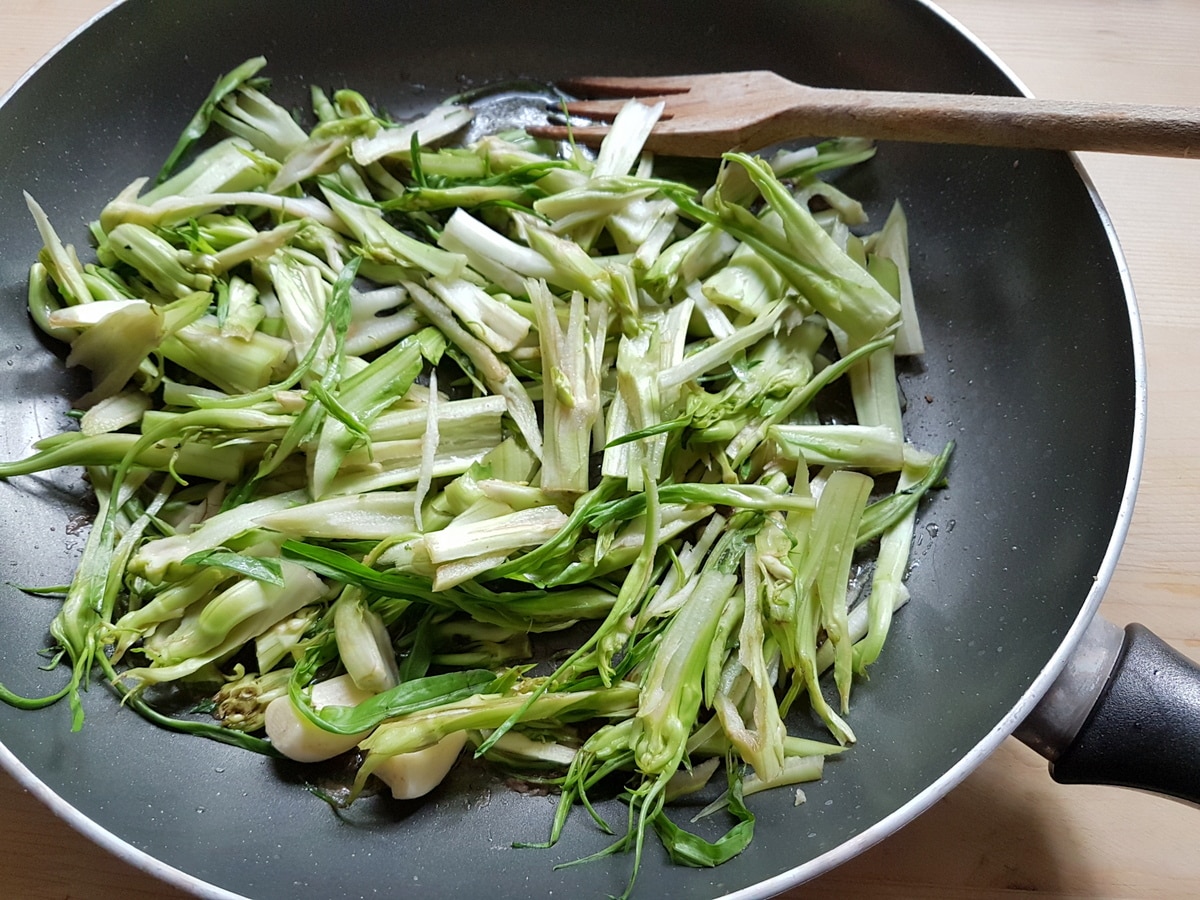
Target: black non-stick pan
x=1033, y=368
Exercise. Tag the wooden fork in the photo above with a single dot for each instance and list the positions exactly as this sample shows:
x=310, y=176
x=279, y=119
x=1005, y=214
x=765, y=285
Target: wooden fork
x=706, y=115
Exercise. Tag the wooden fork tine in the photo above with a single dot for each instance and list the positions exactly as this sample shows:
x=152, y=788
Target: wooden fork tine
x=606, y=110
x=600, y=110
x=633, y=86
x=588, y=135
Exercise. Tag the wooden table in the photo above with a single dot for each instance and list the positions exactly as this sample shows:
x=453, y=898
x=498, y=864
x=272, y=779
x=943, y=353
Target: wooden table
x=1008, y=828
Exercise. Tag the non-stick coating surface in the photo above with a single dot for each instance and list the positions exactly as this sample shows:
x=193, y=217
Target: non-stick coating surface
x=1030, y=368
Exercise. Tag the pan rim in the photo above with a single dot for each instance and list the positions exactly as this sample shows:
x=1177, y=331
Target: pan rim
x=20, y=773
x=957, y=773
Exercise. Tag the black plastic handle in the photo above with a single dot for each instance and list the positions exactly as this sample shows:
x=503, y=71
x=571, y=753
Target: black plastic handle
x=1144, y=731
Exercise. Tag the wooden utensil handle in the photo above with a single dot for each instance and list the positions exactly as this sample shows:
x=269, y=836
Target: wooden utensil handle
x=994, y=121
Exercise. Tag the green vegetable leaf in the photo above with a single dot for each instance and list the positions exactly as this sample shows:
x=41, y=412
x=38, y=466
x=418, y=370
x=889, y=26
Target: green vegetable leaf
x=688, y=849
x=196, y=128
x=266, y=570
x=407, y=697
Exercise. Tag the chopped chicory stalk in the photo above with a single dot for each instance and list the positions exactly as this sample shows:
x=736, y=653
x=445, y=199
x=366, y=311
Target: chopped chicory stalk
x=370, y=409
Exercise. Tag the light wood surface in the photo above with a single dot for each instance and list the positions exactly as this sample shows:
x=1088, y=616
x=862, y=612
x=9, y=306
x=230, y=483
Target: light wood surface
x=1008, y=828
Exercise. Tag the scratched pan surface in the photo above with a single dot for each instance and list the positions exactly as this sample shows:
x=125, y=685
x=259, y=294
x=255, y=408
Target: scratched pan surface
x=1032, y=366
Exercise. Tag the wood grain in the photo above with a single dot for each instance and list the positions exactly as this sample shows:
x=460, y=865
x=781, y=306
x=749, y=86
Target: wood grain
x=706, y=115
x=1008, y=829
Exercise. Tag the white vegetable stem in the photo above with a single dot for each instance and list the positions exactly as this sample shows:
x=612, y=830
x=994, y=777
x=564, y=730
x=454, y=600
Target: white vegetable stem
x=571, y=362
x=415, y=774
x=297, y=738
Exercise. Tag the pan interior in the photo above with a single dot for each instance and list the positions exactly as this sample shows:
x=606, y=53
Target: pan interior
x=1030, y=368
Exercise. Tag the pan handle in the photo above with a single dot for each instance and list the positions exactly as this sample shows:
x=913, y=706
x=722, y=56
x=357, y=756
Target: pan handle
x=1143, y=728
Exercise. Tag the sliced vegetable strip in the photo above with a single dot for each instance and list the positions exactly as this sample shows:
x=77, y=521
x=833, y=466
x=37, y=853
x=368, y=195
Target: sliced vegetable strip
x=371, y=408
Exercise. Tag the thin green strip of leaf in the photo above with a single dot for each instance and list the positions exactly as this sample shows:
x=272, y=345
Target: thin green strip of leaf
x=688, y=849
x=407, y=697
x=268, y=571
x=216, y=733
x=196, y=128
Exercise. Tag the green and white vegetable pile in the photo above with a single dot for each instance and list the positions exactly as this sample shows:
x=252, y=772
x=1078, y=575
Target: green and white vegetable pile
x=372, y=410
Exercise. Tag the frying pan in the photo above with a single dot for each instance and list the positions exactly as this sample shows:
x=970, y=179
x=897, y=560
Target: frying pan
x=1035, y=369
